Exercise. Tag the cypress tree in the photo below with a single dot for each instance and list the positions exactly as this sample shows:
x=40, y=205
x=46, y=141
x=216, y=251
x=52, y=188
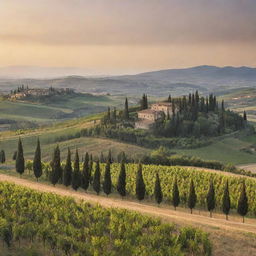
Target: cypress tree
x=211, y=198
x=20, y=163
x=140, y=185
x=175, y=194
x=158, y=190
x=126, y=110
x=76, y=177
x=102, y=160
x=2, y=156
x=192, y=198
x=14, y=156
x=169, y=98
x=37, y=165
x=90, y=168
x=56, y=168
x=226, y=201
x=107, y=183
x=245, y=116
x=121, y=184
x=67, y=176
x=86, y=172
x=110, y=159
x=96, y=178
x=242, y=206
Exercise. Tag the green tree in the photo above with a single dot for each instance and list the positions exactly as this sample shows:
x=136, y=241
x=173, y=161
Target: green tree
x=86, y=175
x=226, y=201
x=158, y=190
x=110, y=158
x=175, y=194
x=121, y=183
x=67, y=175
x=210, y=199
x=242, y=206
x=56, y=167
x=126, y=110
x=20, y=163
x=96, y=178
x=2, y=156
x=107, y=183
x=76, y=177
x=140, y=185
x=14, y=156
x=192, y=198
x=37, y=164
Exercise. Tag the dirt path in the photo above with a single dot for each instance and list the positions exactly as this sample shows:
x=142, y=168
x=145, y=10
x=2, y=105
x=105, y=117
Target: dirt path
x=181, y=216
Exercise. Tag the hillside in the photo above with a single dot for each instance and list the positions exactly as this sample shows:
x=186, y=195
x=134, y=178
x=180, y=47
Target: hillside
x=157, y=83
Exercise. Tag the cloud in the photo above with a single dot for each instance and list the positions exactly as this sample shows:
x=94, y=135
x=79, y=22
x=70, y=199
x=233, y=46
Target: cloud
x=133, y=22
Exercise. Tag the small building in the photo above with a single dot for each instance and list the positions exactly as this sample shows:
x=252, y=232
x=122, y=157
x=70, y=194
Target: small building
x=149, y=114
x=165, y=107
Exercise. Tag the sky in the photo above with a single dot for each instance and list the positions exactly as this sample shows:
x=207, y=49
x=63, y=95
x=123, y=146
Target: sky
x=126, y=36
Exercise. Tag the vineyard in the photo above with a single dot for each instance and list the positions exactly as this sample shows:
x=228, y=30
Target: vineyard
x=65, y=227
x=184, y=175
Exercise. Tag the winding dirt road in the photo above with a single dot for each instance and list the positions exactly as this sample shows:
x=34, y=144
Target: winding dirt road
x=217, y=226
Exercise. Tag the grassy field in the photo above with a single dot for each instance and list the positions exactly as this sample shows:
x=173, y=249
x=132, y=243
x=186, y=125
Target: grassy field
x=56, y=108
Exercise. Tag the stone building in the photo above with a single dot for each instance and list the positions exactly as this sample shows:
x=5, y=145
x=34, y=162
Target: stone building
x=162, y=106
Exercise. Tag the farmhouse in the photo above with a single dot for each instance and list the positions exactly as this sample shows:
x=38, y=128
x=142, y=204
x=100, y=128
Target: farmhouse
x=165, y=107
x=147, y=117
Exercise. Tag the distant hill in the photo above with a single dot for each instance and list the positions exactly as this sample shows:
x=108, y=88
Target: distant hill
x=158, y=83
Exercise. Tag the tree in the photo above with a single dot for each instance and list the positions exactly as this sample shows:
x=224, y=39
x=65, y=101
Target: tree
x=211, y=198
x=158, y=190
x=107, y=183
x=56, y=167
x=175, y=194
x=37, y=164
x=96, y=178
x=76, y=177
x=121, y=184
x=86, y=175
x=245, y=116
x=126, y=110
x=226, y=200
x=2, y=156
x=67, y=176
x=242, y=207
x=20, y=163
x=192, y=198
x=110, y=159
x=140, y=185
x=14, y=156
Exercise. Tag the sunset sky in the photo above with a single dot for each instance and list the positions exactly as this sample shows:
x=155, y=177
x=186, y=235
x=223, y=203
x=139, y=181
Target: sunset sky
x=123, y=36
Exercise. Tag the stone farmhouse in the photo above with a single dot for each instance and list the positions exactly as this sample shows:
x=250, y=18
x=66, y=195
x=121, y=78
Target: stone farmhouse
x=147, y=117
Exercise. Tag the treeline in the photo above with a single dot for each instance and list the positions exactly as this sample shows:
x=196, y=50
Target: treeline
x=60, y=226
x=90, y=176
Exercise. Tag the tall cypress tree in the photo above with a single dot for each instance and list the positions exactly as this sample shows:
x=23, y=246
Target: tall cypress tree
x=86, y=175
x=175, y=194
x=140, y=185
x=107, y=183
x=121, y=184
x=126, y=110
x=91, y=167
x=211, y=198
x=110, y=159
x=226, y=201
x=2, y=159
x=56, y=167
x=67, y=175
x=158, y=190
x=20, y=163
x=192, y=198
x=76, y=177
x=242, y=206
x=245, y=116
x=96, y=178
x=37, y=165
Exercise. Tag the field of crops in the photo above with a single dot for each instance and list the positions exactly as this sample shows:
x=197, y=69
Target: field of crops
x=65, y=227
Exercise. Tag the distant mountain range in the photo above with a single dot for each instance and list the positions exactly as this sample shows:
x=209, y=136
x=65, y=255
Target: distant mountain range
x=158, y=83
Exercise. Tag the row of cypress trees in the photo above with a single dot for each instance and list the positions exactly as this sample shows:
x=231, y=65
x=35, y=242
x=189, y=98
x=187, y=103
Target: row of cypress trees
x=76, y=178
